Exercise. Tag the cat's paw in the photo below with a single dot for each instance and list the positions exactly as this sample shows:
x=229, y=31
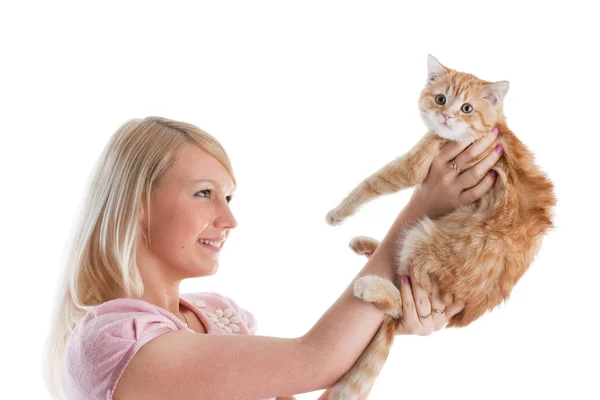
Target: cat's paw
x=364, y=245
x=334, y=217
x=363, y=290
x=381, y=292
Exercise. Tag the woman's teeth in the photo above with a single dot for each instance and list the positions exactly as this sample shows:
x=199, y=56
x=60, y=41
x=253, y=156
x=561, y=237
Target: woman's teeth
x=210, y=242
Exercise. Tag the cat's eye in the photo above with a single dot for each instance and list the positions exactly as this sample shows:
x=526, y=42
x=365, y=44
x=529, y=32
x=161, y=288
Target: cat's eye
x=466, y=108
x=440, y=99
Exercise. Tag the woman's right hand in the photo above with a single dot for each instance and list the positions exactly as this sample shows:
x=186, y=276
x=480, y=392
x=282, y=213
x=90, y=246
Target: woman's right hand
x=445, y=189
x=422, y=315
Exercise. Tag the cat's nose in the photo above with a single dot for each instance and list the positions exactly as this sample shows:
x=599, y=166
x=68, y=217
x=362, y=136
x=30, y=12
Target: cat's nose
x=447, y=117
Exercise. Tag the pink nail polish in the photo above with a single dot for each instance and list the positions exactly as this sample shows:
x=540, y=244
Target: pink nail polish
x=495, y=131
x=493, y=173
x=499, y=148
x=405, y=279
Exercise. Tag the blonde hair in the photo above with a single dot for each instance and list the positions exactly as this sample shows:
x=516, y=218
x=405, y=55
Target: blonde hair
x=101, y=263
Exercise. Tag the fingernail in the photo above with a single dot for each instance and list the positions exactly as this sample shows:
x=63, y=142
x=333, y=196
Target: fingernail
x=405, y=279
x=493, y=173
x=499, y=148
x=495, y=131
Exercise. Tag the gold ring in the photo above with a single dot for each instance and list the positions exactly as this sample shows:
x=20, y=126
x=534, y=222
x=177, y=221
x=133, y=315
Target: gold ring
x=422, y=317
x=454, y=166
x=435, y=310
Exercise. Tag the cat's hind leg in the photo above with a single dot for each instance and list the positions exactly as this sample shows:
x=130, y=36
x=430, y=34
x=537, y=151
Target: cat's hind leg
x=364, y=245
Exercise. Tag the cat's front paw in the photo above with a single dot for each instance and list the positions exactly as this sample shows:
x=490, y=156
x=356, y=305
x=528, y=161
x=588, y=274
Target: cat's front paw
x=363, y=289
x=381, y=292
x=334, y=217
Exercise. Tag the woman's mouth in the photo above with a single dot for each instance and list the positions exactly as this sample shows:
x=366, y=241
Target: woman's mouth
x=210, y=245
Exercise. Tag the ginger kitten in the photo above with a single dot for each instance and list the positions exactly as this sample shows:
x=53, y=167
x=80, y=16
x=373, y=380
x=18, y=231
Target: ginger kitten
x=478, y=252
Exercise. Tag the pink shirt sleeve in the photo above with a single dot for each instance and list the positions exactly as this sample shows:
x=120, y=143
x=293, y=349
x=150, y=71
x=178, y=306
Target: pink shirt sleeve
x=106, y=339
x=104, y=342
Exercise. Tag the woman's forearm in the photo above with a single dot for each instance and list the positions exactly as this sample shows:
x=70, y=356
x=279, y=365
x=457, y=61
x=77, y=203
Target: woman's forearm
x=340, y=336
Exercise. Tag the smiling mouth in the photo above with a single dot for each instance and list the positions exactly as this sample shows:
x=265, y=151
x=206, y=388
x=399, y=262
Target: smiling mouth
x=209, y=244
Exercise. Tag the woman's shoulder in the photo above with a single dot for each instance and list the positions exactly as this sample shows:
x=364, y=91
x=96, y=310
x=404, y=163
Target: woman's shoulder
x=112, y=312
x=105, y=340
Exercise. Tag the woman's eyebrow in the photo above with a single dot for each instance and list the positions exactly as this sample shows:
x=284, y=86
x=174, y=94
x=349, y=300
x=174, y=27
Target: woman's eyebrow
x=205, y=180
x=194, y=181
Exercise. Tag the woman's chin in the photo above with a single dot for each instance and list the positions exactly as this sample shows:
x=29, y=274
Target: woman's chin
x=205, y=269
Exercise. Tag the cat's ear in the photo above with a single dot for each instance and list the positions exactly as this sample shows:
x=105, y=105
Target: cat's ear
x=495, y=92
x=435, y=70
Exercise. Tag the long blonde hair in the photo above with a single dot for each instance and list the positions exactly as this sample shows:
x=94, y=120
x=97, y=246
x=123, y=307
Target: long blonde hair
x=101, y=263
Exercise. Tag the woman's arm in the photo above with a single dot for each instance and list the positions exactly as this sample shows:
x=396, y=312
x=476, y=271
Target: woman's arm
x=184, y=364
x=334, y=339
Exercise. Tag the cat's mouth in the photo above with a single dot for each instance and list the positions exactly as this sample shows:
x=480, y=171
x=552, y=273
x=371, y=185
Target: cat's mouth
x=444, y=125
x=444, y=122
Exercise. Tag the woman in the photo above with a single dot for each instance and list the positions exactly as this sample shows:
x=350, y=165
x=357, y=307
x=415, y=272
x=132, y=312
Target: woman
x=157, y=213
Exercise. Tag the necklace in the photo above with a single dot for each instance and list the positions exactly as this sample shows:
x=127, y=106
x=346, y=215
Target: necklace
x=186, y=321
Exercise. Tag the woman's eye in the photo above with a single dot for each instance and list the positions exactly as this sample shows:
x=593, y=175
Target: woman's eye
x=204, y=191
x=466, y=108
x=208, y=191
x=440, y=99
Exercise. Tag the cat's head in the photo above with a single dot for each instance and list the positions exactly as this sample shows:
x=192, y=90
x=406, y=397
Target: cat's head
x=460, y=106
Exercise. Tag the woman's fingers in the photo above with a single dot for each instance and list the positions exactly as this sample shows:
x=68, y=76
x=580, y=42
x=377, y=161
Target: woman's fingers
x=451, y=149
x=423, y=306
x=476, y=149
x=469, y=196
x=454, y=309
x=410, y=321
x=438, y=308
x=475, y=174
x=411, y=304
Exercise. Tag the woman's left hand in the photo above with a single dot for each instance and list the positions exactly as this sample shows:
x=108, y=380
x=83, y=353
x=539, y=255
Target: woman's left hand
x=422, y=314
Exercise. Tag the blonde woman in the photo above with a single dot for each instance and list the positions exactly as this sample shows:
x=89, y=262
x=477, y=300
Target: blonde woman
x=156, y=213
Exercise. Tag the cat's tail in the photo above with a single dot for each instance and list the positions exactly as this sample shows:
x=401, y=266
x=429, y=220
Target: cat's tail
x=362, y=375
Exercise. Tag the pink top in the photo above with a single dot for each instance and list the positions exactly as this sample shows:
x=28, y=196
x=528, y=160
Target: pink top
x=107, y=338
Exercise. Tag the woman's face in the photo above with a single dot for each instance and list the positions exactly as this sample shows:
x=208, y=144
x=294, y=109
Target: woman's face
x=191, y=203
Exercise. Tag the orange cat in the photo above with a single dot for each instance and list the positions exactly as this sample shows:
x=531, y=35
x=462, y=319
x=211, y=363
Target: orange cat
x=476, y=253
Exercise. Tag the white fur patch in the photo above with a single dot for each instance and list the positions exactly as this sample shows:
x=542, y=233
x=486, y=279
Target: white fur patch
x=417, y=234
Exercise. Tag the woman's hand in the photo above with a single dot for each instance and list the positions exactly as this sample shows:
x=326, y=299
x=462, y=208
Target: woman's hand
x=445, y=189
x=422, y=315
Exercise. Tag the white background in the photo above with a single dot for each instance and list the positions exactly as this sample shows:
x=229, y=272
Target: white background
x=308, y=98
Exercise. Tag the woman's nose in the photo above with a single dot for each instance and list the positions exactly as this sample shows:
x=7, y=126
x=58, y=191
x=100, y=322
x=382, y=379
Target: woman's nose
x=226, y=218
